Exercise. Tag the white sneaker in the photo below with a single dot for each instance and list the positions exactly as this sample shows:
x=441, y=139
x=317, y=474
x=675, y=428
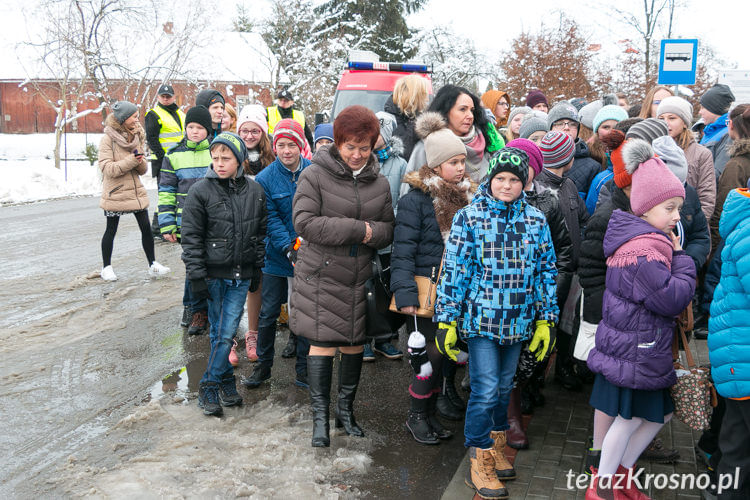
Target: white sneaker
x=108, y=274
x=157, y=269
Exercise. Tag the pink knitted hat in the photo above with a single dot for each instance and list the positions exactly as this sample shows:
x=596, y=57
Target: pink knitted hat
x=653, y=182
x=536, y=160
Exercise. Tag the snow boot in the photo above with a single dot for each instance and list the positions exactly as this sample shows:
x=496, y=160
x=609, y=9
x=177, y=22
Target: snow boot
x=503, y=468
x=440, y=431
x=290, y=350
x=516, y=435
x=350, y=369
x=198, y=323
x=260, y=374
x=208, y=398
x=228, y=395
x=446, y=409
x=251, y=346
x=319, y=374
x=449, y=386
x=482, y=476
x=419, y=426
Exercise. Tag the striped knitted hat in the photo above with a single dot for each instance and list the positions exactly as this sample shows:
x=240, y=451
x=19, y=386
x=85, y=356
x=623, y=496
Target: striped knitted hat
x=648, y=130
x=289, y=129
x=557, y=149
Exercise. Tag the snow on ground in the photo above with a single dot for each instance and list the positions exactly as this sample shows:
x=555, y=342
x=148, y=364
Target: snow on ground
x=28, y=173
x=258, y=451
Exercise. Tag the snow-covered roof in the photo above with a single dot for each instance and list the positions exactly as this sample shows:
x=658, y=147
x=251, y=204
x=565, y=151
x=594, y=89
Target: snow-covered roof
x=228, y=56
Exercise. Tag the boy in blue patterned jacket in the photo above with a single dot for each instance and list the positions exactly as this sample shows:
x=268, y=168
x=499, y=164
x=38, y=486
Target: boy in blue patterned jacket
x=498, y=283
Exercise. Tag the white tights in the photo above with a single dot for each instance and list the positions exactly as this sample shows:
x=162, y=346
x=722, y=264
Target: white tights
x=625, y=441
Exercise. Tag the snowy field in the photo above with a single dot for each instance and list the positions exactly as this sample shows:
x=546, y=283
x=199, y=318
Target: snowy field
x=28, y=172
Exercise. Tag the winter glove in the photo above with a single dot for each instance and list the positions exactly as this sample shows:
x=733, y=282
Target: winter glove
x=543, y=340
x=291, y=254
x=199, y=289
x=255, y=280
x=446, y=339
x=418, y=359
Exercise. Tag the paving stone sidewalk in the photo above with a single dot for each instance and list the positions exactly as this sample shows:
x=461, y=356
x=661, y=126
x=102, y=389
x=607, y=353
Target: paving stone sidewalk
x=558, y=434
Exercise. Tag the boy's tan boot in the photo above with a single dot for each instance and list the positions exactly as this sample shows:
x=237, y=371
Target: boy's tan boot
x=503, y=468
x=482, y=477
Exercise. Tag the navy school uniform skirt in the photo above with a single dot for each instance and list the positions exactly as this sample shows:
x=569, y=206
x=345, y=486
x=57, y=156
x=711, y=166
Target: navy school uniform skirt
x=628, y=403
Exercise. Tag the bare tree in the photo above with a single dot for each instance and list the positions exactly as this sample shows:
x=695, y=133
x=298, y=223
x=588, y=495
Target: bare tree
x=454, y=59
x=84, y=45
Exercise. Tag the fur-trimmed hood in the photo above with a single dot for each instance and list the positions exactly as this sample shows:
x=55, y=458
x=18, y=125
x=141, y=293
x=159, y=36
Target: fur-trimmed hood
x=739, y=147
x=122, y=136
x=447, y=198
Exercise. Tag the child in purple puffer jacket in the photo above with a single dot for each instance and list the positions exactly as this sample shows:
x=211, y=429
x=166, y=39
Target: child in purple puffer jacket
x=650, y=280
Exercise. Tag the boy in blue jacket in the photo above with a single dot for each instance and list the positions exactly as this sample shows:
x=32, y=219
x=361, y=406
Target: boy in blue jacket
x=279, y=181
x=498, y=285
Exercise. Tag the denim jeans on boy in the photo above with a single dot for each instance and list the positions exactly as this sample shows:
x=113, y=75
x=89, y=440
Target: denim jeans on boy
x=276, y=290
x=189, y=302
x=491, y=369
x=226, y=303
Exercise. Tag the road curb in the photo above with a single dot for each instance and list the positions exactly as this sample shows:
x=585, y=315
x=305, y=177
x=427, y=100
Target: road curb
x=457, y=487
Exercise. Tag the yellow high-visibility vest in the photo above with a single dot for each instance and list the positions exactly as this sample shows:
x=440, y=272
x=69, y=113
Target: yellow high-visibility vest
x=171, y=132
x=274, y=117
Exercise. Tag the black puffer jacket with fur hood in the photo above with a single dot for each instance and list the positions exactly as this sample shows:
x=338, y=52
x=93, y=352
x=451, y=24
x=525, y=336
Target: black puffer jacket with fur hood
x=423, y=221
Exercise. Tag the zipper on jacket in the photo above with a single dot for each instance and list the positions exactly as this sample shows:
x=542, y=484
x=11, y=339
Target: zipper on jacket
x=318, y=270
x=115, y=189
x=356, y=269
x=237, y=225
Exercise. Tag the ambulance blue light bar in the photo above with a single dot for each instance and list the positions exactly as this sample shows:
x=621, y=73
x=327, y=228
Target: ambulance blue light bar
x=389, y=66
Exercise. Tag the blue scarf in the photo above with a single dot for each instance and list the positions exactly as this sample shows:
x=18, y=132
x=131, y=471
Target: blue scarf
x=383, y=154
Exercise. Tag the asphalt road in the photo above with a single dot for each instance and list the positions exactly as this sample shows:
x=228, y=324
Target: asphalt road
x=99, y=385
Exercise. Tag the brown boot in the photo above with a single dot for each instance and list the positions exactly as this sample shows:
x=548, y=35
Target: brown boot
x=503, y=469
x=516, y=436
x=482, y=477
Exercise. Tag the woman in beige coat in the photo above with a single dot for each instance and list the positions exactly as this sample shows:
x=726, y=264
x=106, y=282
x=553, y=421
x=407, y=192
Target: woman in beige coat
x=342, y=210
x=122, y=163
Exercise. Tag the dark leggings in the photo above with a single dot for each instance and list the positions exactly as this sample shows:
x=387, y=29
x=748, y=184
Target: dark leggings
x=423, y=389
x=147, y=240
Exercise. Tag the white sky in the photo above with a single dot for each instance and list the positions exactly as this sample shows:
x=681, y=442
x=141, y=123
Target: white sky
x=492, y=24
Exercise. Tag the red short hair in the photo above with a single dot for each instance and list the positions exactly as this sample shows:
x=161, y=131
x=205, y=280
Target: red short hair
x=356, y=123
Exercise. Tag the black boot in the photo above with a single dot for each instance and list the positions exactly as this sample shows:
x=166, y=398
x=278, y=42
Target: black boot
x=440, y=431
x=349, y=371
x=228, y=395
x=319, y=369
x=420, y=428
x=449, y=386
x=208, y=398
x=446, y=409
x=290, y=350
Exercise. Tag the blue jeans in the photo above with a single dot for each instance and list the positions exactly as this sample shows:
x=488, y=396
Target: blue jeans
x=226, y=303
x=276, y=291
x=491, y=369
x=189, y=302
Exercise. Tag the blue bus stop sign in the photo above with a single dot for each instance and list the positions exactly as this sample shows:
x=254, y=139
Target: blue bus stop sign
x=677, y=61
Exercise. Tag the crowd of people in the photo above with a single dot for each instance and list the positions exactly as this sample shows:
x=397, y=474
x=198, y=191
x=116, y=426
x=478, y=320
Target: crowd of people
x=525, y=223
